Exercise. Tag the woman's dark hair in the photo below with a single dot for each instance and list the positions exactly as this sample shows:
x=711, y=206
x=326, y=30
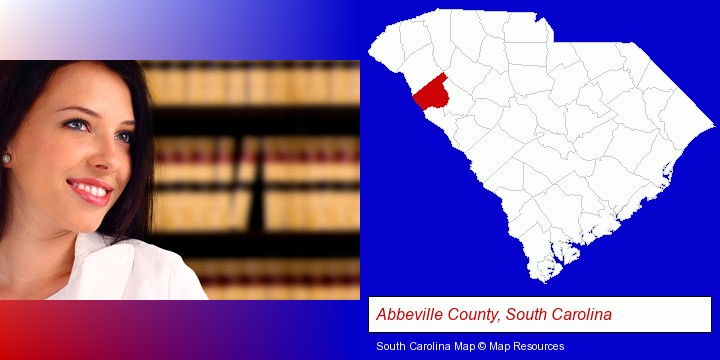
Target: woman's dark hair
x=21, y=82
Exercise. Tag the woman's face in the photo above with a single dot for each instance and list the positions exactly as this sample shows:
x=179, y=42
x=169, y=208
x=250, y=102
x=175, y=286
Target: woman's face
x=71, y=154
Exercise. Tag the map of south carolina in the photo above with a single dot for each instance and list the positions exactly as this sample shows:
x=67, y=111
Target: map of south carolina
x=571, y=136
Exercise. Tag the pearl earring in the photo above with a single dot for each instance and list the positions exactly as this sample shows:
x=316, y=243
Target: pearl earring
x=6, y=158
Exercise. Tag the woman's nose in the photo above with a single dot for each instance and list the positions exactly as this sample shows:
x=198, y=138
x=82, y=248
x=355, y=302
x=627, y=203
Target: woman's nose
x=105, y=156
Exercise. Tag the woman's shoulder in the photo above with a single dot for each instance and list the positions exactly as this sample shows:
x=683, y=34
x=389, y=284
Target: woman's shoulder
x=153, y=270
x=150, y=251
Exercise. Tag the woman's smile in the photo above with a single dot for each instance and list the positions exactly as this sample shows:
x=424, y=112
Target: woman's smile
x=92, y=190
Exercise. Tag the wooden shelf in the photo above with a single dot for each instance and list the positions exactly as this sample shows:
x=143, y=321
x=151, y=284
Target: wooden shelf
x=257, y=120
x=259, y=244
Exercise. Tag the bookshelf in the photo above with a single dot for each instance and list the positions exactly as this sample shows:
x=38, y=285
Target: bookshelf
x=257, y=162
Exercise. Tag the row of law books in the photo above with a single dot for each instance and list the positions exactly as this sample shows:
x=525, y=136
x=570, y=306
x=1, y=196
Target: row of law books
x=193, y=210
x=225, y=159
x=306, y=183
x=194, y=159
x=279, y=278
x=253, y=83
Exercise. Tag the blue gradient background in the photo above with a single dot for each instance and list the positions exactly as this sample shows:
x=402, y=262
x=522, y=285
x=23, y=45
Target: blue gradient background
x=428, y=226
x=194, y=29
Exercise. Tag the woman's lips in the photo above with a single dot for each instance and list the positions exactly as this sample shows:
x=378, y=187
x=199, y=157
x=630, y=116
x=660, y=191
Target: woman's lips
x=91, y=192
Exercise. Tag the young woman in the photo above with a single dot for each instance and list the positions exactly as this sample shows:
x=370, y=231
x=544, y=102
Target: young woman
x=76, y=185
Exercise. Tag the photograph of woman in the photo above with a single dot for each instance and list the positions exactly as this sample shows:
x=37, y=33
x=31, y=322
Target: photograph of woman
x=76, y=185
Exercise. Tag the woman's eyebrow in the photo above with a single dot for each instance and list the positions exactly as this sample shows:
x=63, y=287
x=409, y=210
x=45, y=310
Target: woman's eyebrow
x=81, y=109
x=91, y=113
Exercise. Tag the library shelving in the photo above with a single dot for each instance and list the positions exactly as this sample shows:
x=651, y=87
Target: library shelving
x=258, y=167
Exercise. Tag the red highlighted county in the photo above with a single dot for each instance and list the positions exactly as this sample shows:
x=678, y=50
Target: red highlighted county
x=433, y=94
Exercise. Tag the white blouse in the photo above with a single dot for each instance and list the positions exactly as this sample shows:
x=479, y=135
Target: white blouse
x=128, y=270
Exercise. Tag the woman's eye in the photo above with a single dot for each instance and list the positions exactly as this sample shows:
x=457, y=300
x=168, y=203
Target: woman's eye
x=79, y=125
x=125, y=137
